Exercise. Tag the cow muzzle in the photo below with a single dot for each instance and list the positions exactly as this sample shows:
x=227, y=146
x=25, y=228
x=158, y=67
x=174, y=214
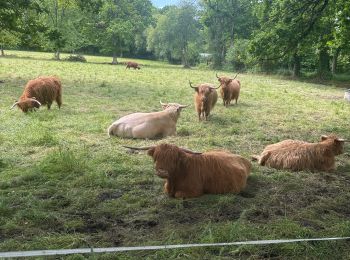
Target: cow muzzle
x=162, y=173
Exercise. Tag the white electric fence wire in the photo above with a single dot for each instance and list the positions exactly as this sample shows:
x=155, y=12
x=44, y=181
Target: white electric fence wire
x=142, y=248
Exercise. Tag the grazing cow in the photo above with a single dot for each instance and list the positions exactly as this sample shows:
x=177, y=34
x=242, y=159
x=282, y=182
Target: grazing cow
x=148, y=125
x=205, y=99
x=230, y=89
x=131, y=64
x=190, y=174
x=40, y=91
x=299, y=155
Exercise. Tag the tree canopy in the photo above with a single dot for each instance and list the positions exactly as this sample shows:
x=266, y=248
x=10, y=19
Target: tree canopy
x=268, y=35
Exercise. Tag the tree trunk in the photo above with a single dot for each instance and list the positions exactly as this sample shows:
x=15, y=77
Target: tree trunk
x=184, y=58
x=2, y=50
x=323, y=66
x=115, y=59
x=335, y=60
x=57, y=55
x=296, y=65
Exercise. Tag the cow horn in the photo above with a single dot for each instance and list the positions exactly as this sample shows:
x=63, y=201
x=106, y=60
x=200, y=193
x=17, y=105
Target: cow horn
x=191, y=84
x=215, y=87
x=189, y=151
x=14, y=105
x=183, y=106
x=342, y=140
x=34, y=99
x=163, y=104
x=216, y=74
x=235, y=76
x=139, y=148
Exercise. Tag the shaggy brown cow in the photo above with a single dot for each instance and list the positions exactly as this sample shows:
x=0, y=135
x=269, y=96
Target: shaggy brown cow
x=189, y=174
x=230, y=89
x=40, y=91
x=131, y=64
x=299, y=155
x=205, y=99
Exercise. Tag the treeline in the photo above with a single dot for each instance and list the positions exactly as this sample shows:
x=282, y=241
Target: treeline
x=266, y=35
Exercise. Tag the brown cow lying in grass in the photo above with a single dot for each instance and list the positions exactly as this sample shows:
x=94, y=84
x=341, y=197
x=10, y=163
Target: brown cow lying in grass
x=148, y=125
x=299, y=155
x=189, y=174
x=205, y=99
x=40, y=91
x=131, y=64
x=230, y=89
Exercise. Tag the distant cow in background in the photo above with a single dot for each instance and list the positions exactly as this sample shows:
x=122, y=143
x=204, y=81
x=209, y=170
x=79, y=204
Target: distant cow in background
x=190, y=174
x=148, y=125
x=299, y=155
x=205, y=99
x=230, y=88
x=40, y=91
x=131, y=64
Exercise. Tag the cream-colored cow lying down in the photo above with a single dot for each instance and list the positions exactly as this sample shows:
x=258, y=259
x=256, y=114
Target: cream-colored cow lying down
x=148, y=125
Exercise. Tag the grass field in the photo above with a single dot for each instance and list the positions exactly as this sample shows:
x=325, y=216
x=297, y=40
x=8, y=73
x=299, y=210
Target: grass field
x=65, y=184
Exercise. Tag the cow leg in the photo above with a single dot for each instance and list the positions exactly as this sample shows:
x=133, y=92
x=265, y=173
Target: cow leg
x=59, y=101
x=166, y=187
x=49, y=105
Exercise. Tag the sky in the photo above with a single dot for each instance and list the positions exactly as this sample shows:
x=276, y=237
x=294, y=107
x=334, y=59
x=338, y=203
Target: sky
x=162, y=3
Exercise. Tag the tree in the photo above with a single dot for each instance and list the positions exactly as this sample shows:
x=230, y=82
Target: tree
x=17, y=17
x=119, y=22
x=176, y=30
x=226, y=20
x=8, y=38
x=285, y=27
x=66, y=20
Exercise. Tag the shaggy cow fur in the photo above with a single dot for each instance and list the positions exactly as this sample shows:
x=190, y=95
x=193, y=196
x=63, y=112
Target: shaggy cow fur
x=131, y=64
x=40, y=91
x=191, y=175
x=299, y=155
x=230, y=89
x=205, y=99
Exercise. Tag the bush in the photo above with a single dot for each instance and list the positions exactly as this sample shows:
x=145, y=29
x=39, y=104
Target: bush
x=76, y=58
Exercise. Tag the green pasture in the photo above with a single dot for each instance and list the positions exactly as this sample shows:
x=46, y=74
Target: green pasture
x=65, y=184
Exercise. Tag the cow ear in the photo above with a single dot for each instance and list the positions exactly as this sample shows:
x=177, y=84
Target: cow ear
x=230, y=80
x=324, y=137
x=150, y=151
x=196, y=89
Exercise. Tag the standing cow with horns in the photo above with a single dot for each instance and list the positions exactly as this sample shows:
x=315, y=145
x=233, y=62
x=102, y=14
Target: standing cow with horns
x=230, y=88
x=205, y=98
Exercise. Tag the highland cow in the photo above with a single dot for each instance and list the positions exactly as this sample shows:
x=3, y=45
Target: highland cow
x=40, y=91
x=230, y=89
x=297, y=155
x=148, y=125
x=190, y=174
x=131, y=64
x=205, y=98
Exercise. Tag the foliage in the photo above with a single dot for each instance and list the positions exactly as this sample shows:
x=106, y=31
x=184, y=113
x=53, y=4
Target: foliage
x=118, y=23
x=226, y=20
x=237, y=56
x=176, y=30
x=76, y=58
